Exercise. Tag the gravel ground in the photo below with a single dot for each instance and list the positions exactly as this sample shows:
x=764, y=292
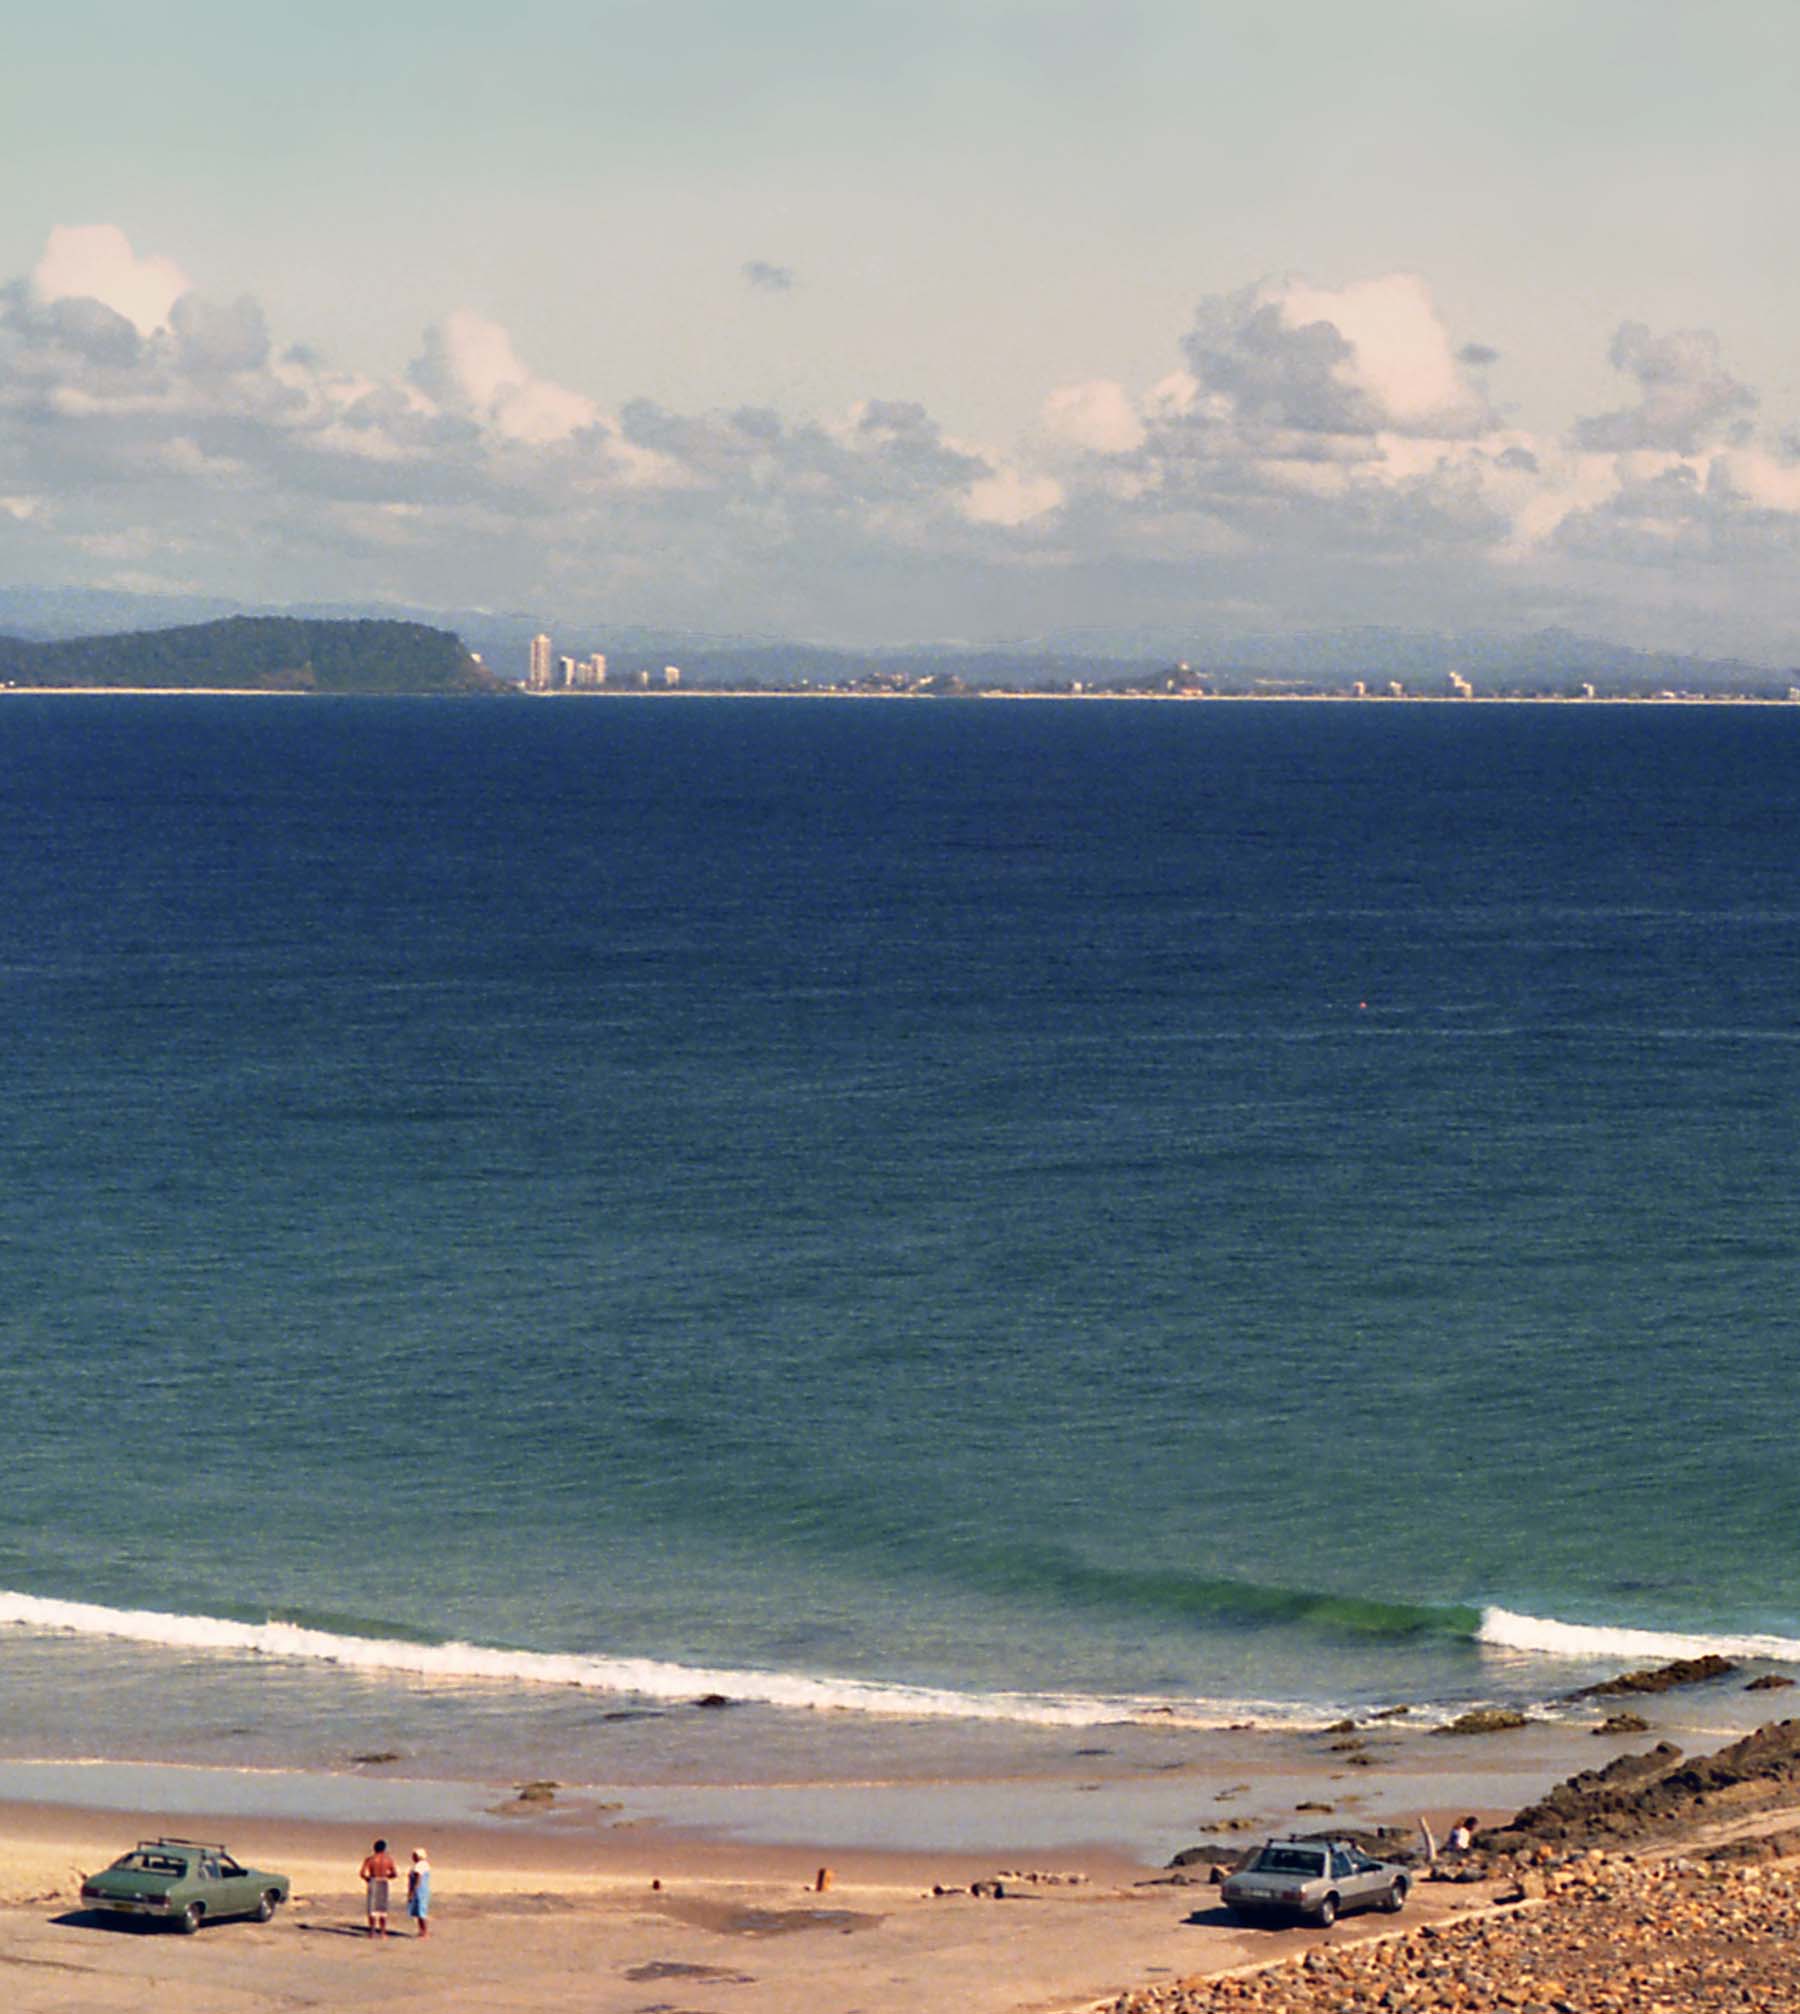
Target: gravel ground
x=1593, y=1933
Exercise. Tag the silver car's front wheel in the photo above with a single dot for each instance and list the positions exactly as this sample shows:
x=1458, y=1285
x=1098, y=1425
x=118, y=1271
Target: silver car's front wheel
x=1395, y=1899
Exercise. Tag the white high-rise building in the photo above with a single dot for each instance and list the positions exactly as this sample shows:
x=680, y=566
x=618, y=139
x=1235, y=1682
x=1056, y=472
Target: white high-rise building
x=538, y=675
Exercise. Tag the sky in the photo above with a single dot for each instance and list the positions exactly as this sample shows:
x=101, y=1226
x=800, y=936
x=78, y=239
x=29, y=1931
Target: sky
x=871, y=323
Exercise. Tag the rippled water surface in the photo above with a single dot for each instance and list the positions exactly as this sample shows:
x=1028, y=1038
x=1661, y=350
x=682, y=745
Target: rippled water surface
x=1037, y=1205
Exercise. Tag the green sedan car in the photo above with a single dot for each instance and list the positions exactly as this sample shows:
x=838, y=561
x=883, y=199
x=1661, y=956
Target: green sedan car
x=186, y=1882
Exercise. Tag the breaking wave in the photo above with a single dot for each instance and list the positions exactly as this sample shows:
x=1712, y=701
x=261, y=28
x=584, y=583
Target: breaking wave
x=666, y=1682
x=641, y=1678
x=1504, y=1630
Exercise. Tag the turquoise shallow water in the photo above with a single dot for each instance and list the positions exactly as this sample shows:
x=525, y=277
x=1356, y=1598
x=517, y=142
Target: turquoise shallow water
x=1000, y=1209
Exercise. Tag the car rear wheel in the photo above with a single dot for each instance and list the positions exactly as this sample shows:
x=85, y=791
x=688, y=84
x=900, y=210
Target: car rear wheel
x=267, y=1907
x=1395, y=1899
x=1326, y=1914
x=191, y=1918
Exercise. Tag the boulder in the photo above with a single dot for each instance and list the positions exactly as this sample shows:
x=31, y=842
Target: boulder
x=1484, y=1720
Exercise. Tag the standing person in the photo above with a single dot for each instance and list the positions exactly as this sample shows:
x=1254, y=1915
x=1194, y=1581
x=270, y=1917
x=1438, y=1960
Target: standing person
x=377, y=1871
x=418, y=1890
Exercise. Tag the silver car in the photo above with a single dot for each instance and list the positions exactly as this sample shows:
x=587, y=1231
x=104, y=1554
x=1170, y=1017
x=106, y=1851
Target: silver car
x=1322, y=1879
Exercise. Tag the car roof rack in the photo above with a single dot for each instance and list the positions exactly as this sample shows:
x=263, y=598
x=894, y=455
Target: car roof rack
x=170, y=1839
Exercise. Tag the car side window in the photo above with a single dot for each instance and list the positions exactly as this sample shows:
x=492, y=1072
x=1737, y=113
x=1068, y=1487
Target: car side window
x=209, y=1868
x=1340, y=1864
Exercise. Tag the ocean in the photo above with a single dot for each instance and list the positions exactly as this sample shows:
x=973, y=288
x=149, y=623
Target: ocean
x=981, y=1217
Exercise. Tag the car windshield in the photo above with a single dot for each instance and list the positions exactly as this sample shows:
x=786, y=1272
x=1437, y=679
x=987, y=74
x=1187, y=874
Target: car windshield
x=152, y=1863
x=1290, y=1860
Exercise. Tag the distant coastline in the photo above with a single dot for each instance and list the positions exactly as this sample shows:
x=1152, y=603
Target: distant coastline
x=1377, y=701
x=249, y=656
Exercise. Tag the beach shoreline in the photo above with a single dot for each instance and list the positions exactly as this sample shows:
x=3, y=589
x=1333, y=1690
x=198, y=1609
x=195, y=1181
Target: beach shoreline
x=572, y=1902
x=828, y=1895
x=577, y=1905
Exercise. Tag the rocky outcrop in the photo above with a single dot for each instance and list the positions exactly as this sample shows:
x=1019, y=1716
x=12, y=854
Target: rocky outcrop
x=1484, y=1720
x=1659, y=1793
x=1660, y=1678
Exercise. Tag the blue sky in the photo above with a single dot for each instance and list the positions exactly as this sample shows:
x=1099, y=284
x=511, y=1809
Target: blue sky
x=883, y=323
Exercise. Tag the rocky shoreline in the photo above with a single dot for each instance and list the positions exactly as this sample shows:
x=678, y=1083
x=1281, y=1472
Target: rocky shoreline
x=1611, y=1934
x=1656, y=1885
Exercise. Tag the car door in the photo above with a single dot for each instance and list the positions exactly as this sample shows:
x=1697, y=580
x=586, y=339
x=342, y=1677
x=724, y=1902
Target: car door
x=1347, y=1877
x=237, y=1888
x=1367, y=1880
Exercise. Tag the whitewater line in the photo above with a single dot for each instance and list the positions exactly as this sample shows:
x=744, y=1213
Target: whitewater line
x=645, y=1678
x=1508, y=1631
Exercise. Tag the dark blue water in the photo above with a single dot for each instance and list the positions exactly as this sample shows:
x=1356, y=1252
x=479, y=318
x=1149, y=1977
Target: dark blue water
x=1191, y=1203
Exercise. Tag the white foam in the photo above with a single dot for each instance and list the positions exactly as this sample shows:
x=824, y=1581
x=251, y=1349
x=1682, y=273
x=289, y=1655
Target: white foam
x=642, y=1678
x=1507, y=1631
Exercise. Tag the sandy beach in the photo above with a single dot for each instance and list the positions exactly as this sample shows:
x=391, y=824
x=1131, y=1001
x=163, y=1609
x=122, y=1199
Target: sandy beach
x=579, y=1902
x=534, y=1921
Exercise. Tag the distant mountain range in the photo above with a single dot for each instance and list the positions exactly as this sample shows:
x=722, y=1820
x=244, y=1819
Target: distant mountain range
x=1542, y=660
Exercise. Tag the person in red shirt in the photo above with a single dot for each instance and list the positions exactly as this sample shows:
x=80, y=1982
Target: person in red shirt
x=376, y=1872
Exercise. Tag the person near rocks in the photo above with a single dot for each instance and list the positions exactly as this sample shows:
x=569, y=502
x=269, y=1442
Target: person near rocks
x=376, y=1872
x=1462, y=1836
x=418, y=1890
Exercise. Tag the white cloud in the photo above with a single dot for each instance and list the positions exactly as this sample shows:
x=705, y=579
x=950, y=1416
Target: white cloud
x=96, y=262
x=1319, y=454
x=469, y=364
x=1009, y=498
x=1348, y=362
x=1097, y=415
x=1686, y=399
x=1400, y=354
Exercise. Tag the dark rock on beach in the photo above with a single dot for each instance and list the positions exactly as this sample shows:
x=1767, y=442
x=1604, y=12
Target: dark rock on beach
x=1661, y=1678
x=1659, y=1793
x=1484, y=1720
x=1771, y=1681
x=1623, y=1723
